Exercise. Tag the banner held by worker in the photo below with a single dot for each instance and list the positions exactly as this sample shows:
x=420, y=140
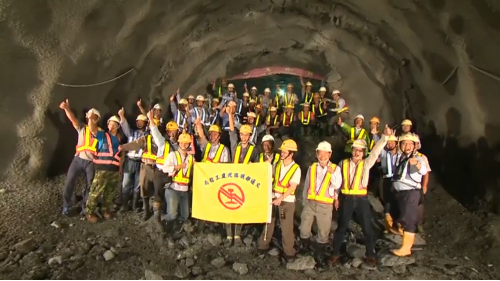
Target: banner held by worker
x=232, y=193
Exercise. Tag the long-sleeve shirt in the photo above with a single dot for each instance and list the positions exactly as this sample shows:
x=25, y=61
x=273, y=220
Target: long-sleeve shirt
x=340, y=105
x=199, y=112
x=347, y=130
x=227, y=97
x=224, y=158
x=256, y=130
x=369, y=162
x=159, y=140
x=335, y=180
x=288, y=98
x=133, y=135
x=406, y=176
x=233, y=137
x=180, y=118
x=169, y=168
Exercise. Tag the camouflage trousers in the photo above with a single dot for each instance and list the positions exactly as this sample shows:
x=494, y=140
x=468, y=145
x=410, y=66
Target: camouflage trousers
x=103, y=187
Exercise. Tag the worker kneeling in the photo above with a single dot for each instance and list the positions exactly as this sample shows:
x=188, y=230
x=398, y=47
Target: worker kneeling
x=406, y=181
x=322, y=182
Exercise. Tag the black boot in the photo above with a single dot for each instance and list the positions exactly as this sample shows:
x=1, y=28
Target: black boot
x=319, y=255
x=147, y=210
x=306, y=246
x=124, y=208
x=135, y=201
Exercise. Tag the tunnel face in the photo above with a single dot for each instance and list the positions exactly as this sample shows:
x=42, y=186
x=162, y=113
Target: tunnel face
x=446, y=84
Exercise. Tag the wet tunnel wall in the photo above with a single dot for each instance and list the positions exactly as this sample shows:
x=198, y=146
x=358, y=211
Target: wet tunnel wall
x=432, y=61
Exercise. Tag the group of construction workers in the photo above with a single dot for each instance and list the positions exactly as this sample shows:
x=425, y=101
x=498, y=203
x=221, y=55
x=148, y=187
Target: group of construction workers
x=154, y=161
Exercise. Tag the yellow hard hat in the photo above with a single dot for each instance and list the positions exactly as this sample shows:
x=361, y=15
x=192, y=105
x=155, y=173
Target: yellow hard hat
x=157, y=106
x=406, y=122
x=245, y=129
x=289, y=145
x=416, y=137
x=407, y=137
x=184, y=138
x=183, y=101
x=254, y=88
x=309, y=84
x=375, y=120
x=172, y=126
x=141, y=117
x=115, y=119
x=289, y=106
x=214, y=128
x=392, y=138
x=359, y=144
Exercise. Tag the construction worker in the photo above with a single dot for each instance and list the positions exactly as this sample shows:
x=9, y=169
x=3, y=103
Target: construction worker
x=289, y=98
x=82, y=163
x=287, y=175
x=322, y=93
x=229, y=110
x=179, y=165
x=242, y=107
x=341, y=110
x=181, y=114
x=425, y=183
x=213, y=151
x=354, y=196
x=407, y=182
x=374, y=135
x=199, y=111
x=220, y=90
x=268, y=148
x=306, y=119
x=320, y=193
x=406, y=126
x=287, y=121
x=132, y=165
x=387, y=158
x=243, y=152
x=273, y=122
x=191, y=104
x=319, y=108
x=107, y=168
x=307, y=93
x=357, y=132
x=157, y=110
x=214, y=113
x=253, y=92
x=266, y=100
x=256, y=130
x=230, y=95
x=259, y=120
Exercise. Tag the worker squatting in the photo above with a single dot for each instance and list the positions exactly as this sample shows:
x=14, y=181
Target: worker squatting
x=157, y=164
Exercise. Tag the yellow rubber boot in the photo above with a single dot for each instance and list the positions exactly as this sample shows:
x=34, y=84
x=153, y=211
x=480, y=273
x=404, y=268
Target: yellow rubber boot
x=405, y=250
x=388, y=222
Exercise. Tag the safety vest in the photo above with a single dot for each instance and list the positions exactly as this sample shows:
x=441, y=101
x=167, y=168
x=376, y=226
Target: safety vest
x=217, y=156
x=203, y=116
x=108, y=156
x=277, y=100
x=180, y=122
x=180, y=177
x=322, y=196
x=287, y=102
x=86, y=142
x=281, y=186
x=237, y=153
x=290, y=120
x=320, y=107
x=361, y=135
x=372, y=144
x=257, y=120
x=308, y=98
x=305, y=121
x=275, y=120
x=275, y=160
x=147, y=153
x=345, y=108
x=355, y=187
x=215, y=117
x=161, y=159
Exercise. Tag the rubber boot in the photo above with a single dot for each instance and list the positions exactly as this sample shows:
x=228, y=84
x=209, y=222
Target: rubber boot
x=388, y=222
x=405, y=250
x=124, y=208
x=319, y=255
x=135, y=201
x=237, y=236
x=147, y=210
x=306, y=246
x=229, y=237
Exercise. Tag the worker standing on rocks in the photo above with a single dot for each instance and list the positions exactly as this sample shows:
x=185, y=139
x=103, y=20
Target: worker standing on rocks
x=230, y=95
x=82, y=163
x=423, y=190
x=341, y=110
x=307, y=94
x=387, y=159
x=320, y=194
x=407, y=182
x=229, y=110
x=107, y=167
x=268, y=153
x=287, y=175
x=132, y=165
x=319, y=108
x=357, y=132
x=242, y=107
x=273, y=122
x=256, y=130
x=307, y=120
x=213, y=151
x=287, y=121
x=243, y=152
x=181, y=114
x=354, y=196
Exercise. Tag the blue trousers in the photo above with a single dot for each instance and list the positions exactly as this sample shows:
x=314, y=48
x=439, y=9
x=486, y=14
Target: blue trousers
x=131, y=178
x=77, y=168
x=175, y=200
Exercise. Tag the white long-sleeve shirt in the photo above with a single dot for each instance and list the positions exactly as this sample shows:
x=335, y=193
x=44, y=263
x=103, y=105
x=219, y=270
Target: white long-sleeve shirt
x=169, y=168
x=335, y=180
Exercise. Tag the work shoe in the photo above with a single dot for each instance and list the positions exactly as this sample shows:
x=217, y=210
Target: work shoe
x=371, y=261
x=405, y=250
x=319, y=255
x=228, y=242
x=107, y=215
x=65, y=211
x=92, y=218
x=237, y=241
x=135, y=201
x=306, y=246
x=147, y=211
x=287, y=259
x=333, y=260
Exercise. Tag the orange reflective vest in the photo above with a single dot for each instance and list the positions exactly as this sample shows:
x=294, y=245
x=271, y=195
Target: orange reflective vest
x=322, y=195
x=284, y=118
x=108, y=156
x=217, y=156
x=86, y=142
x=304, y=120
x=147, y=154
x=275, y=160
x=281, y=186
x=180, y=177
x=353, y=187
x=237, y=154
x=161, y=159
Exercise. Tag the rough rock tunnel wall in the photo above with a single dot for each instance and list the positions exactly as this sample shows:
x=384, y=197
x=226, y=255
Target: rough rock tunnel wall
x=187, y=44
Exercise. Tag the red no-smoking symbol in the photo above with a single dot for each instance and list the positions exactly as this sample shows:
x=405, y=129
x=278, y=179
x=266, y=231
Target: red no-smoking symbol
x=231, y=196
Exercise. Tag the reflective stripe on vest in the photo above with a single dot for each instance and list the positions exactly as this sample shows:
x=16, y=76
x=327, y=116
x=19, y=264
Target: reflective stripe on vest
x=354, y=187
x=86, y=142
x=147, y=153
x=321, y=112
x=289, y=120
x=275, y=160
x=277, y=100
x=180, y=177
x=323, y=195
x=178, y=119
x=275, y=120
x=161, y=160
x=388, y=159
x=214, y=119
x=203, y=115
x=288, y=102
x=345, y=108
x=217, y=156
x=257, y=120
x=237, y=154
x=310, y=96
x=305, y=121
x=361, y=135
x=108, y=157
x=283, y=185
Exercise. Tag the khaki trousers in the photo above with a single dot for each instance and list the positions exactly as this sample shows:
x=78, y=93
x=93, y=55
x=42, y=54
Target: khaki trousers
x=323, y=214
x=288, y=237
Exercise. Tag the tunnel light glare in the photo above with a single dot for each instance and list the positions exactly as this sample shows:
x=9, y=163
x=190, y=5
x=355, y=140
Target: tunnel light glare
x=281, y=92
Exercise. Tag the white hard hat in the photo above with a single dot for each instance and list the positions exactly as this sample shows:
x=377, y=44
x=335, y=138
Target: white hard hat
x=157, y=106
x=309, y=84
x=360, y=117
x=251, y=114
x=215, y=100
x=190, y=97
x=335, y=92
x=114, y=118
x=359, y=144
x=200, y=98
x=267, y=138
x=94, y=111
x=324, y=146
x=254, y=88
x=273, y=108
x=141, y=117
x=267, y=90
x=230, y=85
x=322, y=89
x=183, y=101
x=245, y=94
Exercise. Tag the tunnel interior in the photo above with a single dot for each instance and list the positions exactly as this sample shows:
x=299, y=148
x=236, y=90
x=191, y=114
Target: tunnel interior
x=433, y=61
